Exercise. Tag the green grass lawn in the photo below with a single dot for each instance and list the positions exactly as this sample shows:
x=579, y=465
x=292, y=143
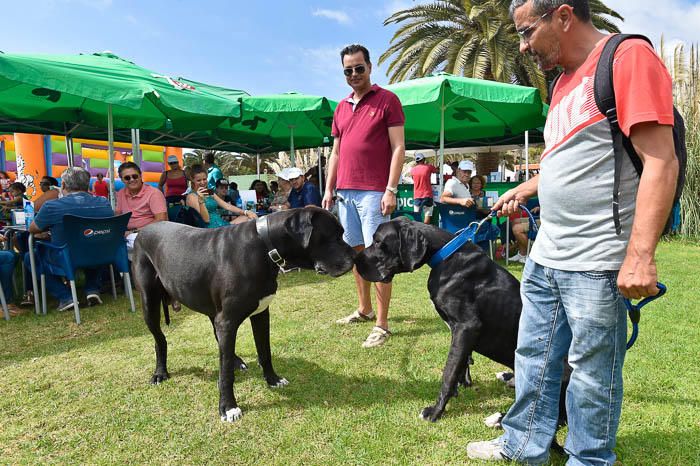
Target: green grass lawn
x=80, y=394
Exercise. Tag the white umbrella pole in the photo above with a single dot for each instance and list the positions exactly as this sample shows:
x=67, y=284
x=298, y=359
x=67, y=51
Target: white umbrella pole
x=69, y=151
x=257, y=165
x=136, y=146
x=442, y=142
x=527, y=155
x=110, y=149
x=291, y=146
x=320, y=172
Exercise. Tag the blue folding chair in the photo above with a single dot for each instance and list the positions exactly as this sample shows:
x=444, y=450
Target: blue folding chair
x=454, y=218
x=90, y=243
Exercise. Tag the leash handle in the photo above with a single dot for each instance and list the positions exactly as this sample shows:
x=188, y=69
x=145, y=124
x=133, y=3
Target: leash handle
x=635, y=315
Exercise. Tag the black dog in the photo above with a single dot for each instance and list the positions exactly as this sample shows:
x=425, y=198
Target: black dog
x=478, y=299
x=226, y=274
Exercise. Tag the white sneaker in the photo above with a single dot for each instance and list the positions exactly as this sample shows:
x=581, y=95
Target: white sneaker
x=377, y=337
x=518, y=258
x=489, y=450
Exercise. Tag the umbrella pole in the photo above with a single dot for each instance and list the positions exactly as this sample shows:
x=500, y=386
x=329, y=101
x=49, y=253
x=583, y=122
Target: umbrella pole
x=110, y=149
x=441, y=158
x=291, y=146
x=69, y=150
x=136, y=146
x=257, y=164
x=320, y=172
x=527, y=155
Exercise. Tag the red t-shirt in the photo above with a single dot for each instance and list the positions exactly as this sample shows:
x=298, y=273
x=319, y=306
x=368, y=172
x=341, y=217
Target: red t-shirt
x=421, y=180
x=101, y=188
x=364, y=152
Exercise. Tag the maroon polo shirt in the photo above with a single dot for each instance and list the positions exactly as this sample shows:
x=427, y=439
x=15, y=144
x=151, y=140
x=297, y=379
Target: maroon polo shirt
x=364, y=152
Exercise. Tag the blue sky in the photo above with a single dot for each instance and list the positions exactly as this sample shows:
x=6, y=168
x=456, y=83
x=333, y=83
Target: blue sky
x=260, y=47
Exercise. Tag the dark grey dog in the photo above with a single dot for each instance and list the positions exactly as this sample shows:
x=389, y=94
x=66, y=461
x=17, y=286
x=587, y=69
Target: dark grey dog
x=227, y=274
x=478, y=300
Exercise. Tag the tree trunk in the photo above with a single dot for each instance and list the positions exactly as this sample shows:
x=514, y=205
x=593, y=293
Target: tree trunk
x=487, y=163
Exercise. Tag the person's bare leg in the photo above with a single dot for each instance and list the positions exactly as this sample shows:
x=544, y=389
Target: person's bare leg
x=427, y=219
x=364, y=298
x=383, y=299
x=520, y=233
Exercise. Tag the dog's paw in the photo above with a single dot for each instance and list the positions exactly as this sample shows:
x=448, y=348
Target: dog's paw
x=159, y=377
x=431, y=413
x=232, y=415
x=239, y=364
x=494, y=420
x=507, y=378
x=277, y=382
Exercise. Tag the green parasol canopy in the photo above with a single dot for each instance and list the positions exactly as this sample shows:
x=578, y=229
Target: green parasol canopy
x=280, y=122
x=79, y=89
x=465, y=110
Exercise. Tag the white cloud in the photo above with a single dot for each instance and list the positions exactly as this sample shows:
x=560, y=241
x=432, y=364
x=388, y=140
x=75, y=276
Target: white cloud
x=335, y=15
x=392, y=6
x=677, y=20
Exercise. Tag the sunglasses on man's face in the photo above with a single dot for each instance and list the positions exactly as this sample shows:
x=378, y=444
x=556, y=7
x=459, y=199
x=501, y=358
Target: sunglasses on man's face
x=44, y=183
x=128, y=178
x=359, y=69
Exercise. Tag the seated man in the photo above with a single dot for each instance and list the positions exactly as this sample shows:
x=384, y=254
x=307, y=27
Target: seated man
x=303, y=193
x=49, y=189
x=76, y=200
x=456, y=191
x=146, y=203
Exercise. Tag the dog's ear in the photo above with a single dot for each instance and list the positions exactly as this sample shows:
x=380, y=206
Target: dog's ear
x=413, y=246
x=299, y=226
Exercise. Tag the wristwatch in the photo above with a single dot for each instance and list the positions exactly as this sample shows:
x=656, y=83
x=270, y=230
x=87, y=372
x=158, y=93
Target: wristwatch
x=392, y=190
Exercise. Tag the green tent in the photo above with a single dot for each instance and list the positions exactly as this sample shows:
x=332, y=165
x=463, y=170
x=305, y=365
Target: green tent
x=280, y=122
x=81, y=88
x=64, y=93
x=452, y=111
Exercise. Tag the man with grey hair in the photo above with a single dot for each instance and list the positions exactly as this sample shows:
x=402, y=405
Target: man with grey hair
x=584, y=260
x=76, y=200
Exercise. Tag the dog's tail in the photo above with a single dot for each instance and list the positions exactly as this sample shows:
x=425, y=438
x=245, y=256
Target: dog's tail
x=166, y=300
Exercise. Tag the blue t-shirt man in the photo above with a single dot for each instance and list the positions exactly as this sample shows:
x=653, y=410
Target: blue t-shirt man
x=79, y=203
x=307, y=195
x=214, y=174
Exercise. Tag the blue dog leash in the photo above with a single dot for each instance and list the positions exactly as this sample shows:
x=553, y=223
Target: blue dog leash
x=633, y=310
x=466, y=235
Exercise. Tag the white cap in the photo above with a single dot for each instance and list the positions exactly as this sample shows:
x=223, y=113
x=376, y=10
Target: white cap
x=419, y=157
x=466, y=165
x=290, y=173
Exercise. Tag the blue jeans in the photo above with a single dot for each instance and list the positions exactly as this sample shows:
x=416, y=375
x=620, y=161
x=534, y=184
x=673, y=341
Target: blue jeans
x=54, y=283
x=582, y=315
x=8, y=259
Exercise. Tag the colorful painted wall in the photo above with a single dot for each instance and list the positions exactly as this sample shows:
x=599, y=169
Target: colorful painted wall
x=30, y=156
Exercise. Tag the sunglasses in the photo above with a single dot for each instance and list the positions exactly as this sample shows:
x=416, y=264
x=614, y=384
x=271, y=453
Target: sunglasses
x=359, y=69
x=128, y=178
x=173, y=163
x=526, y=33
x=44, y=183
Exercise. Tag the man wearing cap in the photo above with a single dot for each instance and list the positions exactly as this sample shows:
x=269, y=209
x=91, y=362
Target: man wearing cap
x=281, y=199
x=422, y=189
x=365, y=166
x=302, y=193
x=456, y=190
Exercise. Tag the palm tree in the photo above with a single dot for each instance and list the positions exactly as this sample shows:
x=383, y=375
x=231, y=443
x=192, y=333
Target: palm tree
x=473, y=38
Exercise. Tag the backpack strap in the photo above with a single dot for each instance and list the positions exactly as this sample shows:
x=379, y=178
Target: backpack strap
x=604, y=93
x=552, y=85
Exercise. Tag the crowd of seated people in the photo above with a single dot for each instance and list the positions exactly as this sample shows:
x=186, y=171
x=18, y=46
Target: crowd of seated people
x=207, y=202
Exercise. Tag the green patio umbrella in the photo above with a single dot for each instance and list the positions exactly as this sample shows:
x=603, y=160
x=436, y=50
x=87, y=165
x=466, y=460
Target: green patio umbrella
x=280, y=122
x=447, y=110
x=102, y=90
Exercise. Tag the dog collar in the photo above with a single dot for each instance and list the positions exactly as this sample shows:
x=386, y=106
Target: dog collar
x=263, y=229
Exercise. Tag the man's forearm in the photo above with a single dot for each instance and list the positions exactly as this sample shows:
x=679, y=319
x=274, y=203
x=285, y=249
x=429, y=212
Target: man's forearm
x=657, y=186
x=528, y=189
x=397, y=158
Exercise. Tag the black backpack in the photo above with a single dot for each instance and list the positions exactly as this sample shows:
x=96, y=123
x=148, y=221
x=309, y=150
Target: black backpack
x=605, y=100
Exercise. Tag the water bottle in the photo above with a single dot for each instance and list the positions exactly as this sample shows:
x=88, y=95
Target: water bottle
x=239, y=203
x=28, y=212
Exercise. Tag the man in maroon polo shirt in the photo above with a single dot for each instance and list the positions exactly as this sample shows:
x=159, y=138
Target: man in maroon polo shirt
x=364, y=167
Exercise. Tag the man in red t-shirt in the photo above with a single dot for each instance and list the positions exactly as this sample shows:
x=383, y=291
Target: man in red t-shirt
x=365, y=166
x=422, y=189
x=580, y=267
